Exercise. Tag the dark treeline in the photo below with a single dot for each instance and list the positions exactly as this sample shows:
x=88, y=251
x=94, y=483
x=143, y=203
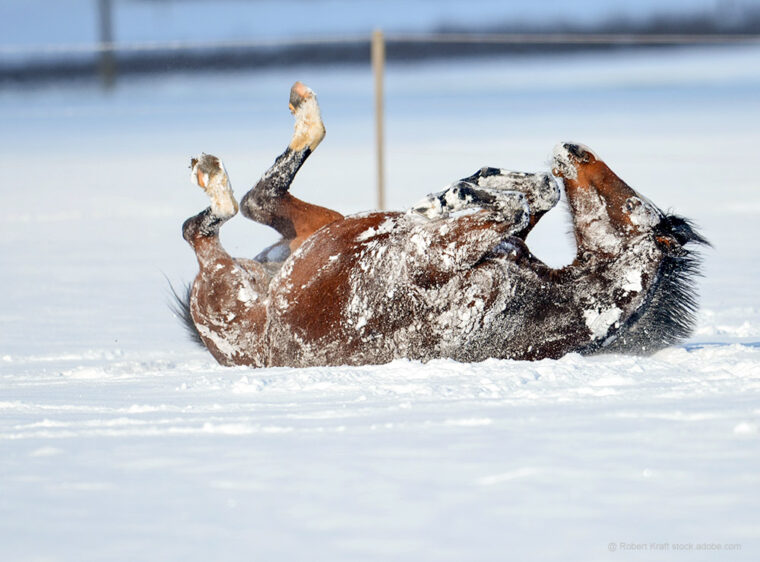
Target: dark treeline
x=736, y=24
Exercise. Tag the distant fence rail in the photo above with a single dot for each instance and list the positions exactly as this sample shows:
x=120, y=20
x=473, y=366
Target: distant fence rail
x=559, y=39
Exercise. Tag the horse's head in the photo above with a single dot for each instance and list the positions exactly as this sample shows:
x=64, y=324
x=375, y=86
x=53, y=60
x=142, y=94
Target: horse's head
x=607, y=213
x=636, y=246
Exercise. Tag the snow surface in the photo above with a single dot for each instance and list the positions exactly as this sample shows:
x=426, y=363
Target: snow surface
x=119, y=440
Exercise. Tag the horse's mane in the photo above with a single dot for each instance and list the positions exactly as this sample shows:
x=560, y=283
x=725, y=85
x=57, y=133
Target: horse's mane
x=669, y=314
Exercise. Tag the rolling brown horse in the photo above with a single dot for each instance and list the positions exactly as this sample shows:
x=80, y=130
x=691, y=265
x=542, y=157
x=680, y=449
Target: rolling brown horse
x=450, y=278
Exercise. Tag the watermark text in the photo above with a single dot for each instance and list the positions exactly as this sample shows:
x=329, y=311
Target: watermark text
x=619, y=546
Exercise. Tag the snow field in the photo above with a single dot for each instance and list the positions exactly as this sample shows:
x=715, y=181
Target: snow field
x=175, y=458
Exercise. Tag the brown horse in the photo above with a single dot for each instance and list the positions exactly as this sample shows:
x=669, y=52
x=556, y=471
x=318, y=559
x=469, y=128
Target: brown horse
x=451, y=278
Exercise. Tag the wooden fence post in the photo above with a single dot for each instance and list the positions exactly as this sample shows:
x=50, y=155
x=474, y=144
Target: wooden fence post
x=378, y=67
x=107, y=62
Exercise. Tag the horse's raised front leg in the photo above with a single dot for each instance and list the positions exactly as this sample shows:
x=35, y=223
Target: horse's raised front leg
x=511, y=207
x=227, y=296
x=496, y=189
x=270, y=203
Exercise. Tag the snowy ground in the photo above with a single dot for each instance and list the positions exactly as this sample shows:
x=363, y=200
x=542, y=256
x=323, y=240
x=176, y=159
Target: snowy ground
x=121, y=441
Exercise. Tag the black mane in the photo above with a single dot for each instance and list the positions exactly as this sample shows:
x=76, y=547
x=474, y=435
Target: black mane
x=668, y=315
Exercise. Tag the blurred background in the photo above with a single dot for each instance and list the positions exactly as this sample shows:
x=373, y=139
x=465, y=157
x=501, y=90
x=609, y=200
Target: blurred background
x=103, y=102
x=45, y=40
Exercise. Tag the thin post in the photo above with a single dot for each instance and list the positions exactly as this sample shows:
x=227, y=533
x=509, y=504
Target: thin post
x=107, y=62
x=378, y=67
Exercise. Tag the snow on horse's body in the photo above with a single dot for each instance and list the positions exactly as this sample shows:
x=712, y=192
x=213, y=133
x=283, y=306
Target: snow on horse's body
x=430, y=284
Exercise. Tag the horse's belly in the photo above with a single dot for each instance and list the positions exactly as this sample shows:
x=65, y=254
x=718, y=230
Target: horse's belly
x=349, y=298
x=362, y=318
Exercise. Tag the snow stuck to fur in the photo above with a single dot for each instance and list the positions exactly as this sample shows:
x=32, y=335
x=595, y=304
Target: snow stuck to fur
x=505, y=191
x=541, y=189
x=223, y=342
x=593, y=220
x=599, y=322
x=246, y=295
x=563, y=162
x=644, y=213
x=383, y=228
x=632, y=281
x=460, y=199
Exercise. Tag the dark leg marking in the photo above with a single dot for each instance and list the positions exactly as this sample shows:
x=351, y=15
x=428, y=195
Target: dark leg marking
x=263, y=203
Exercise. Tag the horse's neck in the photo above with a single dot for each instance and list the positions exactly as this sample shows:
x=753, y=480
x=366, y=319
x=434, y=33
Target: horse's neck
x=610, y=290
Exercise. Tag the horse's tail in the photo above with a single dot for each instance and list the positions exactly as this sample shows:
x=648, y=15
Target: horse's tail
x=179, y=304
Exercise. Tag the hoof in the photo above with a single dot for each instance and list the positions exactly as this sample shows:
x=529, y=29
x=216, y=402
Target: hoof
x=207, y=169
x=208, y=173
x=299, y=92
x=309, y=129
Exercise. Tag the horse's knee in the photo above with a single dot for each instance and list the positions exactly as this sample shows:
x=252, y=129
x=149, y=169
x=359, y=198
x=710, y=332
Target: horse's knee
x=203, y=225
x=248, y=206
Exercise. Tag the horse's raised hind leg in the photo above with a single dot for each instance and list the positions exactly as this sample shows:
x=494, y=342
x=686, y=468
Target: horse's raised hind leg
x=226, y=298
x=202, y=230
x=269, y=202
